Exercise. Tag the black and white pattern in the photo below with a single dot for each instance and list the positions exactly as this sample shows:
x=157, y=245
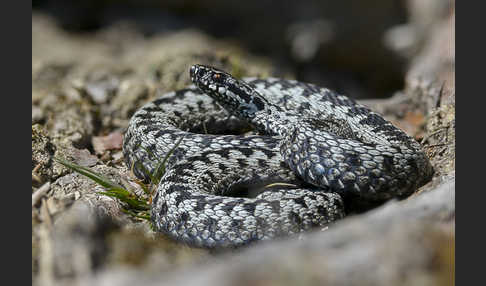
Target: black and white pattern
x=310, y=147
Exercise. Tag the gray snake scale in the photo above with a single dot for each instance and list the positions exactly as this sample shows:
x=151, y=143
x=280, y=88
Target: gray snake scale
x=310, y=151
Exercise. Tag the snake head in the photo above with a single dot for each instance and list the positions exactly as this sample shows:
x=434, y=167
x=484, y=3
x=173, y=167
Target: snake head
x=210, y=79
x=234, y=95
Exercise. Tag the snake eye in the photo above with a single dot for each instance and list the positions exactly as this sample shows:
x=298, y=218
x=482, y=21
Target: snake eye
x=218, y=78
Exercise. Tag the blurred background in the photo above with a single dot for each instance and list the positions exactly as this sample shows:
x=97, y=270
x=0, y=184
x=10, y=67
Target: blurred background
x=360, y=48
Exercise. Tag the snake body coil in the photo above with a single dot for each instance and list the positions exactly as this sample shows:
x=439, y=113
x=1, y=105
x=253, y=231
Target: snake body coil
x=312, y=148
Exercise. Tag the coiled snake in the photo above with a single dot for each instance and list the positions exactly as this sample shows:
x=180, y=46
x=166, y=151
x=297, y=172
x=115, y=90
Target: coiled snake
x=312, y=148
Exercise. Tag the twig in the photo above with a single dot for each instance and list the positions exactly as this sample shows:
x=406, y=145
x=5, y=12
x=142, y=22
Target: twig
x=45, y=215
x=440, y=129
x=40, y=192
x=436, y=145
x=439, y=97
x=35, y=176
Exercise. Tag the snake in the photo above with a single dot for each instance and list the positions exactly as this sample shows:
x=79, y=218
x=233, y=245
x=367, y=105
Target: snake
x=255, y=159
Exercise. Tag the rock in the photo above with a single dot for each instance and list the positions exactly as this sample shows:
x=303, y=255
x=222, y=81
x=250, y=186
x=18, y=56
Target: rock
x=431, y=77
x=37, y=115
x=74, y=246
x=401, y=243
x=101, y=85
x=131, y=94
x=89, y=191
x=71, y=126
x=42, y=151
x=84, y=240
x=45, y=148
x=81, y=157
x=112, y=141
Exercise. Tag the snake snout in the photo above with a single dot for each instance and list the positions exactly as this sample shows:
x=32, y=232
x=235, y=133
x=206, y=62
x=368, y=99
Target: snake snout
x=196, y=72
x=192, y=71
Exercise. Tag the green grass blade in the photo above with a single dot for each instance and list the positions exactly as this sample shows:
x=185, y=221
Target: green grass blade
x=112, y=189
x=131, y=201
x=136, y=207
x=144, y=216
x=151, y=155
x=160, y=170
x=101, y=180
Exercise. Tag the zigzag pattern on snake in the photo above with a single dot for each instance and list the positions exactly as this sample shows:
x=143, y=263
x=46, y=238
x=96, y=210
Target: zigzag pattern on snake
x=309, y=148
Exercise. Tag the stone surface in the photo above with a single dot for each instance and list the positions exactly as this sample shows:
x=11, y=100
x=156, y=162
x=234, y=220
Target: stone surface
x=85, y=239
x=401, y=243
